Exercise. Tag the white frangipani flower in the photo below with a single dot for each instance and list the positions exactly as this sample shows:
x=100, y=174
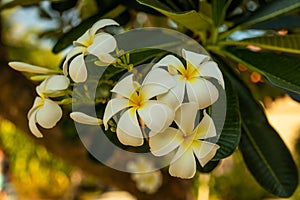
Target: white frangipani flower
x=45, y=112
x=24, y=67
x=187, y=140
x=53, y=86
x=191, y=79
x=91, y=42
x=137, y=99
x=146, y=179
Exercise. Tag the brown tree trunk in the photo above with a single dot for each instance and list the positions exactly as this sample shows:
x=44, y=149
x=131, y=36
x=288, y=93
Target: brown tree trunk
x=17, y=95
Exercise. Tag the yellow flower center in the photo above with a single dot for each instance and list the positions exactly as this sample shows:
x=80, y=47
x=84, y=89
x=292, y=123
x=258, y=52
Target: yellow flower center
x=189, y=73
x=136, y=100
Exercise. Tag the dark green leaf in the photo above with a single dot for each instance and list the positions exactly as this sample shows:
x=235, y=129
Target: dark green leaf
x=191, y=19
x=264, y=152
x=283, y=43
x=63, y=5
x=282, y=22
x=281, y=69
x=211, y=165
x=77, y=31
x=271, y=10
x=15, y=3
x=231, y=131
x=219, y=8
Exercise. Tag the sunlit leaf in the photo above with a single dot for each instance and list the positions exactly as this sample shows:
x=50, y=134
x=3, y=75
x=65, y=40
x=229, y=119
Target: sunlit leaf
x=280, y=69
x=191, y=19
x=286, y=43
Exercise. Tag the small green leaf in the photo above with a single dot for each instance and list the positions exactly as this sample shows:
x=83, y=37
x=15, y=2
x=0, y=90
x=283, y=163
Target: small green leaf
x=285, y=43
x=14, y=3
x=191, y=19
x=271, y=10
x=231, y=132
x=280, y=69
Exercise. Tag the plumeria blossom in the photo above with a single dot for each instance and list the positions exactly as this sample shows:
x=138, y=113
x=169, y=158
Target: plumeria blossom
x=91, y=42
x=187, y=141
x=44, y=112
x=25, y=67
x=146, y=179
x=53, y=86
x=191, y=79
x=139, y=105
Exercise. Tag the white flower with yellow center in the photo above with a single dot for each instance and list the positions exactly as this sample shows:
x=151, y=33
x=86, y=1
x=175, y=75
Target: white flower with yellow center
x=191, y=79
x=140, y=105
x=91, y=42
x=187, y=141
x=44, y=112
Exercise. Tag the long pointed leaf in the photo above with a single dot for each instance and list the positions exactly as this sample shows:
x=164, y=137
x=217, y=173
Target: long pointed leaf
x=219, y=8
x=191, y=19
x=281, y=69
x=287, y=43
x=264, y=152
x=271, y=10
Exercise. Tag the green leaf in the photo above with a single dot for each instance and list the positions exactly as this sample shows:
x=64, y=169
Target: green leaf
x=191, y=19
x=288, y=21
x=219, y=8
x=15, y=3
x=264, y=152
x=231, y=132
x=286, y=43
x=271, y=10
x=77, y=31
x=281, y=70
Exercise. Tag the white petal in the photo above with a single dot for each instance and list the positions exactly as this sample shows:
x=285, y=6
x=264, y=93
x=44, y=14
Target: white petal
x=185, y=165
x=175, y=96
x=128, y=129
x=49, y=114
x=157, y=116
x=185, y=117
x=113, y=107
x=35, y=106
x=32, y=125
x=206, y=128
x=53, y=83
x=24, y=67
x=164, y=142
x=101, y=24
x=105, y=58
x=102, y=43
x=77, y=69
x=203, y=92
x=126, y=87
x=171, y=62
x=204, y=151
x=85, y=119
x=160, y=77
x=211, y=69
x=194, y=58
x=84, y=40
x=73, y=52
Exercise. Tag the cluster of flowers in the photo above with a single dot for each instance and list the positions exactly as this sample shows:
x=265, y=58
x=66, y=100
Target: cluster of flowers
x=47, y=112
x=170, y=93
